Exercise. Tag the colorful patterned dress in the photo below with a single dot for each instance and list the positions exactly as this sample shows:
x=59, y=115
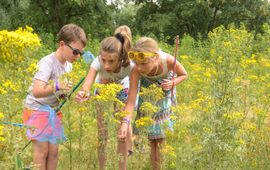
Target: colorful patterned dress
x=162, y=120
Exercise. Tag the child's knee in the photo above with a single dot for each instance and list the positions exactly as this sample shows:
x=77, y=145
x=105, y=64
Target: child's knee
x=41, y=155
x=53, y=154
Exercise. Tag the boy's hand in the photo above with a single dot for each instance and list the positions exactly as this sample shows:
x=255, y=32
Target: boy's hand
x=65, y=86
x=82, y=96
x=62, y=88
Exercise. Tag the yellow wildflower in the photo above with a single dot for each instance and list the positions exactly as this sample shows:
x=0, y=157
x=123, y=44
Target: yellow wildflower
x=148, y=108
x=184, y=57
x=15, y=44
x=121, y=114
x=241, y=141
x=206, y=130
x=2, y=139
x=32, y=68
x=253, y=77
x=144, y=122
x=1, y=115
x=2, y=90
x=168, y=150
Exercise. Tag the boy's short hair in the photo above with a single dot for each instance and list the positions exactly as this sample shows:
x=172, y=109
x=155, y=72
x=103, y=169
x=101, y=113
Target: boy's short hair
x=70, y=33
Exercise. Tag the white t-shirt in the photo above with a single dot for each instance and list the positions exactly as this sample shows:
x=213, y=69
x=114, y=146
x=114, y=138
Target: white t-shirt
x=105, y=77
x=49, y=69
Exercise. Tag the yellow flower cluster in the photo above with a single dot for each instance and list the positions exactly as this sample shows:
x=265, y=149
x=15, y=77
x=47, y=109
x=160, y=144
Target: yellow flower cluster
x=168, y=150
x=265, y=62
x=227, y=44
x=121, y=114
x=153, y=93
x=234, y=116
x=107, y=92
x=2, y=139
x=207, y=130
x=6, y=86
x=248, y=127
x=184, y=57
x=15, y=44
x=148, y=108
x=144, y=122
x=32, y=68
x=2, y=90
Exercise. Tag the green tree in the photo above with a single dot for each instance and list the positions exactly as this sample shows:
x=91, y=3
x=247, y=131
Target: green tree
x=125, y=14
x=7, y=9
x=198, y=17
x=50, y=15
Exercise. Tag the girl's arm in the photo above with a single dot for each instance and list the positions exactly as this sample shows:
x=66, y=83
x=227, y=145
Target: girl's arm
x=133, y=89
x=180, y=71
x=129, y=107
x=89, y=79
x=83, y=94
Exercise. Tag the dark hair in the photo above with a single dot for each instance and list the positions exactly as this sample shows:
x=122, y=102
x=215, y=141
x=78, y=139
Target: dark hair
x=120, y=37
x=123, y=34
x=119, y=44
x=70, y=33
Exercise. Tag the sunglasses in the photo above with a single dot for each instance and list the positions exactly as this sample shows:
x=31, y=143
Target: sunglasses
x=75, y=51
x=140, y=56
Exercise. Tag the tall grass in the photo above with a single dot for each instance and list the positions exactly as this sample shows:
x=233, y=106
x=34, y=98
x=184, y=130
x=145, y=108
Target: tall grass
x=222, y=116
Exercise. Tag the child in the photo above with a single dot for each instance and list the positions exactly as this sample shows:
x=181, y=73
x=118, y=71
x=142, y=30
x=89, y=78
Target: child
x=43, y=91
x=111, y=66
x=153, y=66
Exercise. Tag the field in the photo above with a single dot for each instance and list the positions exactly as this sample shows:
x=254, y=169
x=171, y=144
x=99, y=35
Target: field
x=222, y=118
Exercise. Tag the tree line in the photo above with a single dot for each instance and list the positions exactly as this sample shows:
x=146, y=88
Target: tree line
x=157, y=18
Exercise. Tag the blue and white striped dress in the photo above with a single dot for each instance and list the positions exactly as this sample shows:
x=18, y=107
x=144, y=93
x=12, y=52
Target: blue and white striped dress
x=162, y=120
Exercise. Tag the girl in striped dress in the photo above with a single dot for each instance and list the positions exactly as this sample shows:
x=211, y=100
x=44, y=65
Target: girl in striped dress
x=153, y=66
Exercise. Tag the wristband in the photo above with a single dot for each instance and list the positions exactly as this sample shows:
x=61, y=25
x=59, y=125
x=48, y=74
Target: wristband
x=126, y=120
x=56, y=86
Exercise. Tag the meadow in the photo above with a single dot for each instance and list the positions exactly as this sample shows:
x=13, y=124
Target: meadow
x=222, y=116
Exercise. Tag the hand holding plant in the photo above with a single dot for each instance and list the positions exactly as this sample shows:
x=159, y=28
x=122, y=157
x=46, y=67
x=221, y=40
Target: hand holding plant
x=82, y=96
x=122, y=132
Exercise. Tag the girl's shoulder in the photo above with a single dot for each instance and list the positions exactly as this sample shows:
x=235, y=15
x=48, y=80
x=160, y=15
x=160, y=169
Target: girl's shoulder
x=96, y=64
x=167, y=58
x=164, y=55
x=131, y=65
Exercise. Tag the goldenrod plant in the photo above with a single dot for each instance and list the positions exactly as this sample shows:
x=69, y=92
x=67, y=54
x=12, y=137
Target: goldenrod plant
x=222, y=118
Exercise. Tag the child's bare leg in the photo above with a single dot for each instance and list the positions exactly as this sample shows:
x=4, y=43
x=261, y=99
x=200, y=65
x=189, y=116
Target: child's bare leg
x=40, y=151
x=160, y=143
x=122, y=156
x=156, y=146
x=153, y=153
x=52, y=157
x=102, y=140
x=123, y=149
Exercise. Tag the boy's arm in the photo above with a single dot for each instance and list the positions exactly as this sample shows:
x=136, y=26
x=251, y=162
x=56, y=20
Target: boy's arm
x=42, y=89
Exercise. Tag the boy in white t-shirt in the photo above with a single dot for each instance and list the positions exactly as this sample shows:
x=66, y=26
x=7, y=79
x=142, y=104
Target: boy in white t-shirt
x=42, y=94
